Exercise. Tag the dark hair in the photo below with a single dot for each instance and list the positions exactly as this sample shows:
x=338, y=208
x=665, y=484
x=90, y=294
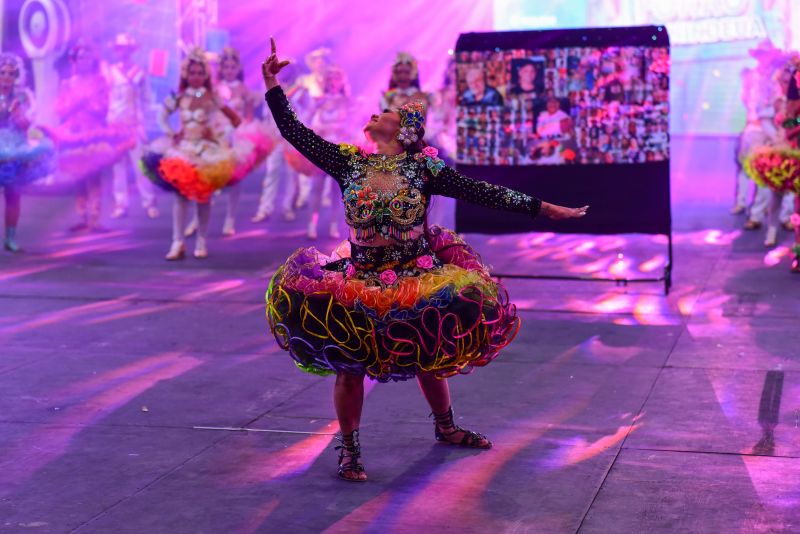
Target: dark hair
x=419, y=146
x=86, y=47
x=792, y=92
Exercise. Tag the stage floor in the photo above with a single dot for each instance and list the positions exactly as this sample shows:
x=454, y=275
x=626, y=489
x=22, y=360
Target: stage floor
x=615, y=410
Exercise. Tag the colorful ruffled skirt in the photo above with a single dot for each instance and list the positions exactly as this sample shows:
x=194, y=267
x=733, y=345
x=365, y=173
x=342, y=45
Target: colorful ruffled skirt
x=194, y=169
x=24, y=160
x=87, y=150
x=251, y=145
x=776, y=168
x=427, y=305
x=299, y=163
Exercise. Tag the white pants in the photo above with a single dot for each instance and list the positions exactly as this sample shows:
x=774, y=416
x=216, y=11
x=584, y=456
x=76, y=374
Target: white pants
x=120, y=184
x=760, y=209
x=276, y=169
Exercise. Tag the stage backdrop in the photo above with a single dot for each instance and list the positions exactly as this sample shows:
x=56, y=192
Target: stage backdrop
x=574, y=117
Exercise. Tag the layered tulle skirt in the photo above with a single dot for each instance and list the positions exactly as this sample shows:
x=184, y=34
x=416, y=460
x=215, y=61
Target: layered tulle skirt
x=195, y=169
x=776, y=168
x=24, y=160
x=427, y=305
x=251, y=145
x=85, y=150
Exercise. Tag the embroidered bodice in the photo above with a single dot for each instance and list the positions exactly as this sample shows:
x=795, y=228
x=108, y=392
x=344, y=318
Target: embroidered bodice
x=194, y=112
x=386, y=197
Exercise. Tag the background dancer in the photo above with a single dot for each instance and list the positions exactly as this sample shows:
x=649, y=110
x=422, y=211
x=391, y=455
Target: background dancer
x=195, y=161
x=21, y=160
x=128, y=98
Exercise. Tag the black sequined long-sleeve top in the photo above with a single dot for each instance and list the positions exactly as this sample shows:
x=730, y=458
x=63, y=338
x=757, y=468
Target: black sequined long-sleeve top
x=386, y=197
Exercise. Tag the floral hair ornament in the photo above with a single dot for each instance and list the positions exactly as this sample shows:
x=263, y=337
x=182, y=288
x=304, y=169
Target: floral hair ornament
x=404, y=58
x=14, y=61
x=195, y=55
x=412, y=118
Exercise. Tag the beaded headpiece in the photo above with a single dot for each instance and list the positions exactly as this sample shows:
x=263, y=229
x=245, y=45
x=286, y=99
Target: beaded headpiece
x=7, y=58
x=322, y=53
x=333, y=70
x=196, y=55
x=231, y=54
x=404, y=58
x=412, y=119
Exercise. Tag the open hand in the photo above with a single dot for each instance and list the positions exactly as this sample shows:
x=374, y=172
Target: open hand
x=558, y=213
x=272, y=66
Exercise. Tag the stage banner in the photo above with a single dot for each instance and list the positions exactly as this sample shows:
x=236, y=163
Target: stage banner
x=573, y=117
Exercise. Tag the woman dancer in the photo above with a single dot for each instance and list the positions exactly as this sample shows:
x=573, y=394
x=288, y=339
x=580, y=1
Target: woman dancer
x=195, y=161
x=250, y=141
x=405, y=301
x=21, y=160
x=87, y=147
x=778, y=167
x=404, y=84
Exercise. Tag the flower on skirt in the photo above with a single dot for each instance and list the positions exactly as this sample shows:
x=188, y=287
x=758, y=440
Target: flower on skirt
x=350, y=272
x=425, y=262
x=388, y=277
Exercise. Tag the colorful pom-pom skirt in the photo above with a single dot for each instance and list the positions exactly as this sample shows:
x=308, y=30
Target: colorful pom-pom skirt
x=299, y=163
x=251, y=145
x=776, y=168
x=23, y=161
x=427, y=305
x=84, y=152
x=194, y=169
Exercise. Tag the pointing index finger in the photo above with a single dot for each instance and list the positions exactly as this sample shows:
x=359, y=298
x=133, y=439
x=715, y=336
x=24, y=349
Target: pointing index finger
x=272, y=45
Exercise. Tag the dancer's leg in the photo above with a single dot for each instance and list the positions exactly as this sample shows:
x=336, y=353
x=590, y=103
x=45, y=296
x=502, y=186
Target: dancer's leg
x=203, y=219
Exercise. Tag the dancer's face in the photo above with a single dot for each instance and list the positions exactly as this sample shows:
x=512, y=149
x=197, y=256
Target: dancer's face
x=383, y=127
x=229, y=70
x=84, y=62
x=402, y=75
x=196, y=76
x=8, y=75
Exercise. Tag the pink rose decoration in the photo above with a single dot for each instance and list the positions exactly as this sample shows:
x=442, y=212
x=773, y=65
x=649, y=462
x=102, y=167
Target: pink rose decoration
x=430, y=151
x=425, y=262
x=350, y=272
x=388, y=277
x=795, y=219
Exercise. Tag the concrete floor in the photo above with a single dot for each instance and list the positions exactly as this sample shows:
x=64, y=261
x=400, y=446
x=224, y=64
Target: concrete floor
x=615, y=410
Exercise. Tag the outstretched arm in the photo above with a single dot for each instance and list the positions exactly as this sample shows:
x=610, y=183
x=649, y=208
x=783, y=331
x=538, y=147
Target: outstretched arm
x=450, y=183
x=322, y=153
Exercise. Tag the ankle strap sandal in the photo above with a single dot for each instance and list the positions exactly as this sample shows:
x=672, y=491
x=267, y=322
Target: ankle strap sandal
x=350, y=466
x=445, y=428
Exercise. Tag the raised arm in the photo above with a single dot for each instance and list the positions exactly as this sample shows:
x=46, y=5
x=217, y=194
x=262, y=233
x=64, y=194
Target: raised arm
x=324, y=154
x=448, y=182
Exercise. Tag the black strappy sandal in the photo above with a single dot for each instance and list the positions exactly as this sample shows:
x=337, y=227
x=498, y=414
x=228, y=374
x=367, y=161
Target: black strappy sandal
x=349, y=457
x=470, y=439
